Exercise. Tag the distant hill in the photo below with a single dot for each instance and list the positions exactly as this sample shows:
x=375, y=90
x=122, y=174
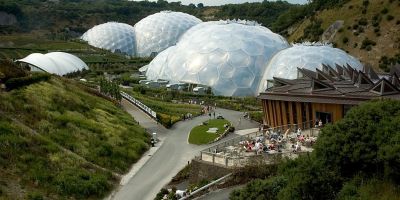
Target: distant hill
x=367, y=29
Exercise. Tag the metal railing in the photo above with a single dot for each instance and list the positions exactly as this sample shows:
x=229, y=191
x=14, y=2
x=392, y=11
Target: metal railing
x=140, y=105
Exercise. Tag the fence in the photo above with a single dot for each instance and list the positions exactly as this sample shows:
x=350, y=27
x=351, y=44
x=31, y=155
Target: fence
x=140, y=105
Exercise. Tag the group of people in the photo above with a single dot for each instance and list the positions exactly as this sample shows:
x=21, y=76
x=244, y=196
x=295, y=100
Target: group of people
x=318, y=123
x=275, y=140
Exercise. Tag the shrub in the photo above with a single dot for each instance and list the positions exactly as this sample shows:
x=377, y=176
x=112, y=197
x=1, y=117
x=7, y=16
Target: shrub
x=345, y=40
x=384, y=11
x=363, y=22
x=14, y=83
x=367, y=43
x=231, y=129
x=80, y=183
x=389, y=17
x=365, y=3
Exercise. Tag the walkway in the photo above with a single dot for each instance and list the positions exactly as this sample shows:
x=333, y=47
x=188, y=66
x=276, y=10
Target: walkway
x=172, y=155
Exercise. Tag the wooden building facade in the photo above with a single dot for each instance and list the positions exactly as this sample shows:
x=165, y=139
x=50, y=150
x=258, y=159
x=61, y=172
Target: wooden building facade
x=324, y=95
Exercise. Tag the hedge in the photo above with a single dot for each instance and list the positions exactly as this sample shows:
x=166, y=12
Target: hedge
x=14, y=83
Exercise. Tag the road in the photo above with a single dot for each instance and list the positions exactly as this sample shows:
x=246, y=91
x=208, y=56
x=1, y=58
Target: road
x=172, y=155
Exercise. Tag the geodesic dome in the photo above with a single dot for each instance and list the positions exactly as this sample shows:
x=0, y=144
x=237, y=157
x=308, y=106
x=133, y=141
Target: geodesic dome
x=228, y=56
x=112, y=36
x=59, y=63
x=161, y=30
x=285, y=63
x=155, y=70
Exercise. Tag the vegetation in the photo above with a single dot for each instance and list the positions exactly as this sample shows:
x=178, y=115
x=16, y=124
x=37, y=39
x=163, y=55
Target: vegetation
x=69, y=143
x=357, y=17
x=199, y=135
x=385, y=63
x=111, y=89
x=14, y=83
x=172, y=105
x=168, y=112
x=352, y=159
x=265, y=13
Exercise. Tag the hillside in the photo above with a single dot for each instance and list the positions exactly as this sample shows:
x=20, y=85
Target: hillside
x=59, y=140
x=370, y=30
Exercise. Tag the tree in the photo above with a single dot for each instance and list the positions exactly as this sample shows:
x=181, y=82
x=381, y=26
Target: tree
x=200, y=5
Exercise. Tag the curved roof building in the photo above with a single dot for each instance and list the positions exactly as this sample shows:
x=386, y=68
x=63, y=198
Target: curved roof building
x=285, y=63
x=228, y=56
x=161, y=30
x=113, y=36
x=59, y=63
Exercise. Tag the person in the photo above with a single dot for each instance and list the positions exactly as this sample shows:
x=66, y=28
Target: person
x=320, y=123
x=152, y=142
x=214, y=115
x=298, y=132
x=316, y=123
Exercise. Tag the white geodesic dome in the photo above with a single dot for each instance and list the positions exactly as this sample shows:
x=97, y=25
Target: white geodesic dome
x=228, y=56
x=112, y=36
x=161, y=30
x=59, y=63
x=285, y=63
x=155, y=70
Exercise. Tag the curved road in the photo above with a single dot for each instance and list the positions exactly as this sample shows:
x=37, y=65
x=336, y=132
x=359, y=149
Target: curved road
x=171, y=157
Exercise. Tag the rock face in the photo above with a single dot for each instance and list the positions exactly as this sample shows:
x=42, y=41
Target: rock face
x=331, y=31
x=7, y=19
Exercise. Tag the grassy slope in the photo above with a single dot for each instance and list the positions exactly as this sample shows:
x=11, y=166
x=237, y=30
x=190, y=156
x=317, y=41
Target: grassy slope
x=81, y=141
x=387, y=43
x=199, y=135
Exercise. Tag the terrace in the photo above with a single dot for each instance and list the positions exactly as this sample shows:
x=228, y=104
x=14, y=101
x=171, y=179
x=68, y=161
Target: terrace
x=272, y=143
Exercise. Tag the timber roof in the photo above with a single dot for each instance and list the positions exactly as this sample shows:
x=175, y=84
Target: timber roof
x=344, y=85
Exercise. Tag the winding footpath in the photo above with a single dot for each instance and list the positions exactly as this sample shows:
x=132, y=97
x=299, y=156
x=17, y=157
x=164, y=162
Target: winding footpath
x=170, y=155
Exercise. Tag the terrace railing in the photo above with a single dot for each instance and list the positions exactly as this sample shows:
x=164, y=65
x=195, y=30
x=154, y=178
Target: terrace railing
x=140, y=105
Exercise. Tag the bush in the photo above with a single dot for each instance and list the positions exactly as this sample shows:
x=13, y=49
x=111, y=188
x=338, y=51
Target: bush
x=389, y=17
x=384, y=11
x=231, y=129
x=14, y=83
x=345, y=40
x=260, y=189
x=363, y=22
x=367, y=43
x=81, y=184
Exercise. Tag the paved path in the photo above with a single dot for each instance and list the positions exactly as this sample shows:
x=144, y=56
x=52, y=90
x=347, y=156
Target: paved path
x=170, y=157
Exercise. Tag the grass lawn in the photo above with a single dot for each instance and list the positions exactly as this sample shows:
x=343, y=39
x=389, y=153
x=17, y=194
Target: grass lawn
x=199, y=135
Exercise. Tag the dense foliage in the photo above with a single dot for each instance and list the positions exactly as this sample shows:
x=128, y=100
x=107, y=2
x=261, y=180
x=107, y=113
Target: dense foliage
x=352, y=158
x=14, y=83
x=265, y=13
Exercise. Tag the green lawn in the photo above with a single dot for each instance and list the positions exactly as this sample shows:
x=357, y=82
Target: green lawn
x=199, y=135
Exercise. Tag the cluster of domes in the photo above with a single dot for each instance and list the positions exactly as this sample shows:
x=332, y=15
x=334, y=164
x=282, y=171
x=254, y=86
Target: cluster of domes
x=228, y=56
x=233, y=57
x=149, y=36
x=59, y=63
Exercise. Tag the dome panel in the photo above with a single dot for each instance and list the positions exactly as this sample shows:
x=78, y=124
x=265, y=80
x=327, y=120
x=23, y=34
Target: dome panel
x=159, y=31
x=112, y=36
x=224, y=55
x=285, y=63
